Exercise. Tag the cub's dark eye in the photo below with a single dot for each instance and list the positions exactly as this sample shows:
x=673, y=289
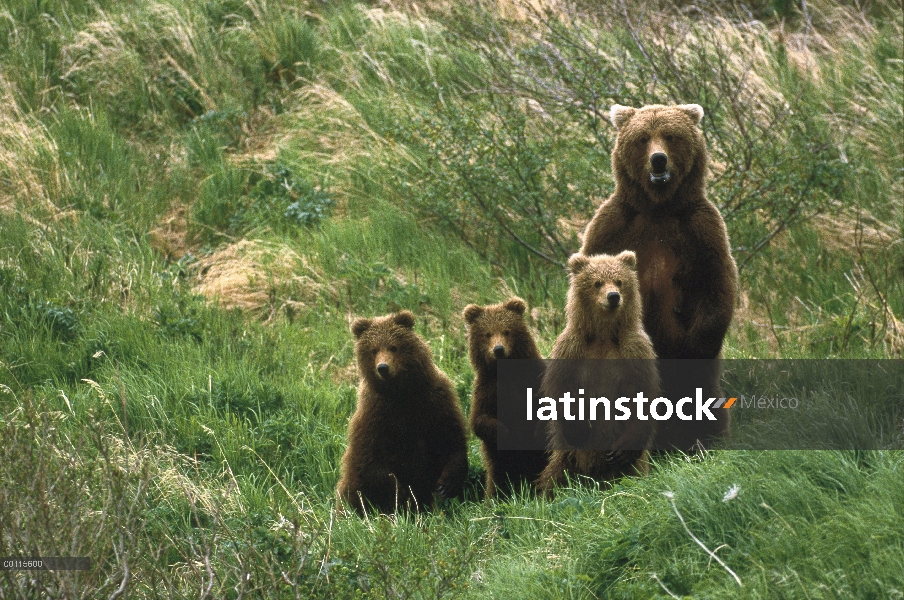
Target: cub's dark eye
x=643, y=139
x=393, y=348
x=506, y=332
x=489, y=335
x=374, y=351
x=598, y=284
x=670, y=138
x=618, y=282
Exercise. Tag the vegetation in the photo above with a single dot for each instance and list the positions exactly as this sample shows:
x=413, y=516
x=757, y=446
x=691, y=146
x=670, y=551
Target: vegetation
x=197, y=197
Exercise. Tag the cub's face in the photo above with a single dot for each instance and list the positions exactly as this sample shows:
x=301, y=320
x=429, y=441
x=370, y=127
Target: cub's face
x=387, y=348
x=658, y=146
x=605, y=283
x=495, y=331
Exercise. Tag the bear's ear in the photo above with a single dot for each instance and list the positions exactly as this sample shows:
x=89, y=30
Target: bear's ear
x=404, y=318
x=360, y=326
x=628, y=258
x=694, y=111
x=471, y=312
x=577, y=262
x=516, y=305
x=619, y=115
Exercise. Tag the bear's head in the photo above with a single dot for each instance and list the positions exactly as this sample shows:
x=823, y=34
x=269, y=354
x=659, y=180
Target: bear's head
x=659, y=148
x=388, y=350
x=604, y=286
x=498, y=331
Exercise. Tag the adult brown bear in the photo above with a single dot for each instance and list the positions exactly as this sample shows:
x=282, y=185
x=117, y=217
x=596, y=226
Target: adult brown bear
x=688, y=278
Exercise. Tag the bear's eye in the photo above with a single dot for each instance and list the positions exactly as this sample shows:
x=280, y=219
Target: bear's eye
x=618, y=282
x=489, y=335
x=506, y=332
x=643, y=139
x=598, y=284
x=374, y=351
x=670, y=138
x=393, y=348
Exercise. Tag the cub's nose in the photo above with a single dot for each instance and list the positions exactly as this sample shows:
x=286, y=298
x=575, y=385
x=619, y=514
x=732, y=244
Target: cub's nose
x=383, y=369
x=499, y=350
x=614, y=298
x=658, y=161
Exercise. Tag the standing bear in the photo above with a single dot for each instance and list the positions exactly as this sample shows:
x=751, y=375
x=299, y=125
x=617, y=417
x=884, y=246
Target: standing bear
x=497, y=332
x=406, y=439
x=605, y=352
x=688, y=278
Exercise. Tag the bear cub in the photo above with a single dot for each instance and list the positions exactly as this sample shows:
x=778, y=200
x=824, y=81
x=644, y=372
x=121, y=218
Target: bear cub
x=407, y=437
x=603, y=323
x=498, y=332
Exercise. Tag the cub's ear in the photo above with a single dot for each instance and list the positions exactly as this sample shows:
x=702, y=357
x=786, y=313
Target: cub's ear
x=628, y=258
x=471, y=312
x=516, y=305
x=619, y=115
x=694, y=111
x=360, y=326
x=404, y=318
x=577, y=262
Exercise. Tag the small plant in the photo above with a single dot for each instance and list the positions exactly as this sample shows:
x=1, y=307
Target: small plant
x=178, y=320
x=309, y=212
x=234, y=200
x=224, y=125
x=62, y=321
x=278, y=186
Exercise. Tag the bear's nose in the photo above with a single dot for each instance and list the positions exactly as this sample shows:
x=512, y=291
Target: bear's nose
x=658, y=161
x=499, y=350
x=614, y=298
x=383, y=369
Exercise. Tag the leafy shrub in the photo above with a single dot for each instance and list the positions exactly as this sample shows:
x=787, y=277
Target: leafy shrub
x=497, y=172
x=534, y=152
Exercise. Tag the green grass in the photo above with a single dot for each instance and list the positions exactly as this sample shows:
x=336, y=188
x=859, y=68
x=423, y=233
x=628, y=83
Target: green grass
x=197, y=439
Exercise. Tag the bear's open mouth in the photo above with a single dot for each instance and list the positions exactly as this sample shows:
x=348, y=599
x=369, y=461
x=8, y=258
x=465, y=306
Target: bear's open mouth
x=660, y=178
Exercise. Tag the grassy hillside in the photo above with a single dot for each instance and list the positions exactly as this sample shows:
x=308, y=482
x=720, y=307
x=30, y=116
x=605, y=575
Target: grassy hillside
x=196, y=199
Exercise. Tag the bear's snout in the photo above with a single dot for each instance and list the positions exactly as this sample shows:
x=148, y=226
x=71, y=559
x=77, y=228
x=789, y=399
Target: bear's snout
x=383, y=369
x=499, y=351
x=658, y=162
x=613, y=298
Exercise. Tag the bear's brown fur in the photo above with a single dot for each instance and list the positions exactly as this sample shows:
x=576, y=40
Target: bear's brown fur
x=407, y=437
x=604, y=321
x=495, y=332
x=688, y=278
